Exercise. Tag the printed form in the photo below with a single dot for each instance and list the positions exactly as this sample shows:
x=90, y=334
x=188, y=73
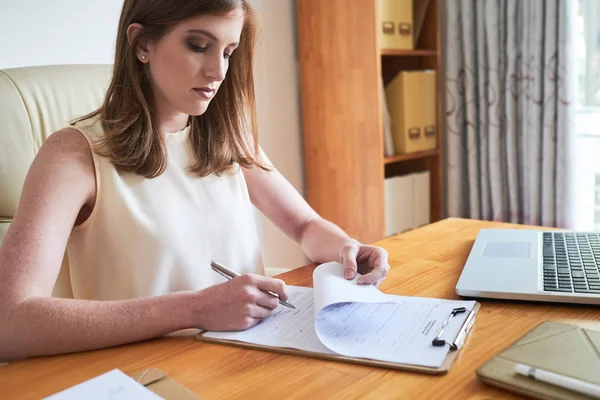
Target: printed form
x=341, y=317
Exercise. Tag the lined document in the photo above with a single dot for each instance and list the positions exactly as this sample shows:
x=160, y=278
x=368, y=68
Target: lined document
x=341, y=317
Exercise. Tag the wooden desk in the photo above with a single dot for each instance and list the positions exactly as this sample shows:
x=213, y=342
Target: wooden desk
x=425, y=262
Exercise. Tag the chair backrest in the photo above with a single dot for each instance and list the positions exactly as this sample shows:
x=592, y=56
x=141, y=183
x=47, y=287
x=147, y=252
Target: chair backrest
x=34, y=103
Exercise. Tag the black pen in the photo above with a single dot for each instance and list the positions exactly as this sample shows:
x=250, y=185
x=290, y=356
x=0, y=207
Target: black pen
x=230, y=274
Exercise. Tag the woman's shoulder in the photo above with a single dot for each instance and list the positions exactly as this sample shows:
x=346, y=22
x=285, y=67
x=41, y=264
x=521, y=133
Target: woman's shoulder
x=68, y=148
x=90, y=127
x=70, y=144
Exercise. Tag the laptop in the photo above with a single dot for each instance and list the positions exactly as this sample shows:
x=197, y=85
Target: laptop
x=549, y=266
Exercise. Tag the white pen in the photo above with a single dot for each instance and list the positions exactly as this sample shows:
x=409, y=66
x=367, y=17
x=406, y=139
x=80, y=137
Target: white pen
x=562, y=381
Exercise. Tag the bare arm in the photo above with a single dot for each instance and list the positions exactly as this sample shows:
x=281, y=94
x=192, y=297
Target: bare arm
x=279, y=201
x=59, y=184
x=321, y=240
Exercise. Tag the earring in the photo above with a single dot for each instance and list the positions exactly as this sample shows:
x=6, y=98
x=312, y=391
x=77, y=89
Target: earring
x=143, y=57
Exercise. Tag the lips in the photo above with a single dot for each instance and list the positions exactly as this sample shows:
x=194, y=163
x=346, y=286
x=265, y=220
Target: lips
x=205, y=92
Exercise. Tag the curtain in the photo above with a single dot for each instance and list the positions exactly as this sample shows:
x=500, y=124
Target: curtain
x=509, y=102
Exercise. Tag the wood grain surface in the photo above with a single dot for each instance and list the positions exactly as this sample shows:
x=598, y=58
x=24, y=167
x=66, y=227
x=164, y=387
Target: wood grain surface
x=425, y=262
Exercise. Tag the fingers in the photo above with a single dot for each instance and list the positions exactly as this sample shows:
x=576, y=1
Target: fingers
x=374, y=277
x=348, y=254
x=271, y=284
x=267, y=301
x=379, y=266
x=258, y=304
x=257, y=311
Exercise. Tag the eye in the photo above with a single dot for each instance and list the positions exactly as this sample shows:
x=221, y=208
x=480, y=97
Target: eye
x=195, y=48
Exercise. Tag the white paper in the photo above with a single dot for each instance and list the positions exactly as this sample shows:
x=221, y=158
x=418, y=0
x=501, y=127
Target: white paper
x=340, y=316
x=113, y=385
x=330, y=287
x=285, y=327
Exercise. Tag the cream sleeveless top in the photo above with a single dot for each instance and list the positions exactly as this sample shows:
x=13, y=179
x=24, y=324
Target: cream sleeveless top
x=147, y=237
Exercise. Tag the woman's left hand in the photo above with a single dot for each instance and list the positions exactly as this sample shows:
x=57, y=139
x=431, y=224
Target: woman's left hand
x=369, y=261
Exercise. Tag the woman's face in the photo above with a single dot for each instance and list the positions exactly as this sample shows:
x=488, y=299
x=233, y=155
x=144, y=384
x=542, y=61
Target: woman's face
x=189, y=63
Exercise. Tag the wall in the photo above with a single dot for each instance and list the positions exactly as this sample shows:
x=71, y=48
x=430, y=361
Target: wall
x=278, y=108
x=40, y=32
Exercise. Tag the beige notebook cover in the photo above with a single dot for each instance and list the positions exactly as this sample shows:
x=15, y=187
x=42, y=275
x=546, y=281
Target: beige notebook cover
x=561, y=348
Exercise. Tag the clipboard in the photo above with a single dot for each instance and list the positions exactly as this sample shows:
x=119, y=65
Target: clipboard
x=455, y=345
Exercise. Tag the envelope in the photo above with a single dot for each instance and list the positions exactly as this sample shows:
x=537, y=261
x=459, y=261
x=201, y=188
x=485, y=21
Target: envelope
x=561, y=348
x=167, y=388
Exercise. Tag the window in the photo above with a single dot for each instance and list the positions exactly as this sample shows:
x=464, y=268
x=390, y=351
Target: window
x=586, y=185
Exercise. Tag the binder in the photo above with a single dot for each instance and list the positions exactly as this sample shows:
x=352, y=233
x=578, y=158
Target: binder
x=411, y=102
x=399, y=204
x=396, y=24
x=391, y=211
x=556, y=347
x=388, y=141
x=405, y=202
x=428, y=100
x=421, y=198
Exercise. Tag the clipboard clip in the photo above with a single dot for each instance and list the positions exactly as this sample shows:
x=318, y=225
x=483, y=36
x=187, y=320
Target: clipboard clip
x=462, y=332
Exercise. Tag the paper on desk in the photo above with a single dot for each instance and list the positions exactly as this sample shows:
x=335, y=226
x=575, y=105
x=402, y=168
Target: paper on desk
x=340, y=316
x=285, y=327
x=379, y=326
x=113, y=385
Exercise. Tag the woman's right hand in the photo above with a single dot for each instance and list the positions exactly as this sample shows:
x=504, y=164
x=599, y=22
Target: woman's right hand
x=237, y=304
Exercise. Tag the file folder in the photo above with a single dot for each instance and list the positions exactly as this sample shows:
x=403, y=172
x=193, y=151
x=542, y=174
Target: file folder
x=411, y=100
x=396, y=24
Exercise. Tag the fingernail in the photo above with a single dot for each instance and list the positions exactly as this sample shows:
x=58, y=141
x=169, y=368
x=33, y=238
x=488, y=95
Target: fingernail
x=349, y=274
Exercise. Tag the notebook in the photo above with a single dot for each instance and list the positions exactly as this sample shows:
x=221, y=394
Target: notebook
x=557, y=347
x=341, y=320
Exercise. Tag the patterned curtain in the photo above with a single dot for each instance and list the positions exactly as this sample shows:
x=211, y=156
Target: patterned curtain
x=509, y=103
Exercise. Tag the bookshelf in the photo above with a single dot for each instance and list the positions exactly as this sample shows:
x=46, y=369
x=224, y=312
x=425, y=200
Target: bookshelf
x=409, y=53
x=341, y=67
x=410, y=156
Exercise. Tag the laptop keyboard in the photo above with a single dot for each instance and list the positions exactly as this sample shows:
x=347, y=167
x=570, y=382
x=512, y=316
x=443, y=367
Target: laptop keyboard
x=571, y=262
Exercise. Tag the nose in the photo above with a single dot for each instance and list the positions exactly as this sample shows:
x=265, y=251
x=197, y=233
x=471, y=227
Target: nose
x=216, y=67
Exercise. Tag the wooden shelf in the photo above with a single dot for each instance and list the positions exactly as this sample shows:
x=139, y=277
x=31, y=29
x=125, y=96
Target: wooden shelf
x=410, y=156
x=409, y=53
x=340, y=175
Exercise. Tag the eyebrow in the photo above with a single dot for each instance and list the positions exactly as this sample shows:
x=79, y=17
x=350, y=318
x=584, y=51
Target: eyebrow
x=210, y=35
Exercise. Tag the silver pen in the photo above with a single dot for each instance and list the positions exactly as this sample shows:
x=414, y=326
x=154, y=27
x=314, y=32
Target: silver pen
x=230, y=274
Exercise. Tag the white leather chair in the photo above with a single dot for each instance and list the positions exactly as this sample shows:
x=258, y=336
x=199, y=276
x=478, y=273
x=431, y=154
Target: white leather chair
x=34, y=103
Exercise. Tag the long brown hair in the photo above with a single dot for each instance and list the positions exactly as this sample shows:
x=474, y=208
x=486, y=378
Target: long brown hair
x=224, y=134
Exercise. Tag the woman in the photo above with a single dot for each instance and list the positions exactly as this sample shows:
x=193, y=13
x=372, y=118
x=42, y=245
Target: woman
x=150, y=187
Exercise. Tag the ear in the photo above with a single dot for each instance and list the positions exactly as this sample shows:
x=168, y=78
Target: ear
x=142, y=50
